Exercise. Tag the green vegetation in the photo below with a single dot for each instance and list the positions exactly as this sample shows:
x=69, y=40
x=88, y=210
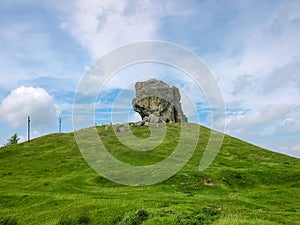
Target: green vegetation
x=47, y=181
x=13, y=140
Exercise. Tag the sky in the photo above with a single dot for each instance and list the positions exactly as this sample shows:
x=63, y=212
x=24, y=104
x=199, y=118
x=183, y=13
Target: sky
x=252, y=48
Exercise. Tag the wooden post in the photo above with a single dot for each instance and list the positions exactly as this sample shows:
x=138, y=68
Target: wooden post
x=59, y=124
x=28, y=126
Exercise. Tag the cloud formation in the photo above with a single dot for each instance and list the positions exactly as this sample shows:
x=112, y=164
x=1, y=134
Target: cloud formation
x=29, y=101
x=103, y=25
x=268, y=114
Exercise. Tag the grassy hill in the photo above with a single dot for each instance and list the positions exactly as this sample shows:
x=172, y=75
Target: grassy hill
x=47, y=181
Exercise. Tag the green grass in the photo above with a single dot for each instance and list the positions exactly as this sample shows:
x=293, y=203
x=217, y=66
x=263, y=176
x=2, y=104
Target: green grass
x=47, y=181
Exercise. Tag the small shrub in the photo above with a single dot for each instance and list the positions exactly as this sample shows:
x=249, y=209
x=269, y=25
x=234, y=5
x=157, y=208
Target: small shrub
x=66, y=221
x=211, y=211
x=132, y=218
x=238, y=179
x=8, y=221
x=206, y=216
x=84, y=219
x=116, y=220
x=142, y=215
x=102, y=181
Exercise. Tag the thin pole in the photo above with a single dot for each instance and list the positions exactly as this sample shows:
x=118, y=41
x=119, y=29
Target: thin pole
x=59, y=124
x=28, y=125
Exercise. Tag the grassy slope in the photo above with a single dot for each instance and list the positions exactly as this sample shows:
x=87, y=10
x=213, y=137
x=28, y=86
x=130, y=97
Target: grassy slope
x=47, y=181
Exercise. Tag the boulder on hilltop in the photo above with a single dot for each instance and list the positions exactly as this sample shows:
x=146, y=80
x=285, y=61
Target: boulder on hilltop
x=157, y=102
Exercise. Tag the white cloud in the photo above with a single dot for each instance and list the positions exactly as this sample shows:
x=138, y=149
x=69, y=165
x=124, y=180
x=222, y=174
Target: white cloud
x=243, y=83
x=29, y=101
x=63, y=25
x=103, y=25
x=262, y=117
x=22, y=138
x=282, y=77
x=290, y=124
x=295, y=147
x=135, y=117
x=261, y=42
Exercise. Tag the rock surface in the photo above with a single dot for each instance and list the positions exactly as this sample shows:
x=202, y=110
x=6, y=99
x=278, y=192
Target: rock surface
x=157, y=102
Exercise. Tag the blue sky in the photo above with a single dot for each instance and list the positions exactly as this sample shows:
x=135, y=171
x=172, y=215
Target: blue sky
x=252, y=48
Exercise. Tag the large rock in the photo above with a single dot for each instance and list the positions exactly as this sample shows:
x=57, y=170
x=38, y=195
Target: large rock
x=157, y=102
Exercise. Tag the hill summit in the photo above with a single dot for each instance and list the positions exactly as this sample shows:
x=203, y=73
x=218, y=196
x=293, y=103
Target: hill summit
x=47, y=181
